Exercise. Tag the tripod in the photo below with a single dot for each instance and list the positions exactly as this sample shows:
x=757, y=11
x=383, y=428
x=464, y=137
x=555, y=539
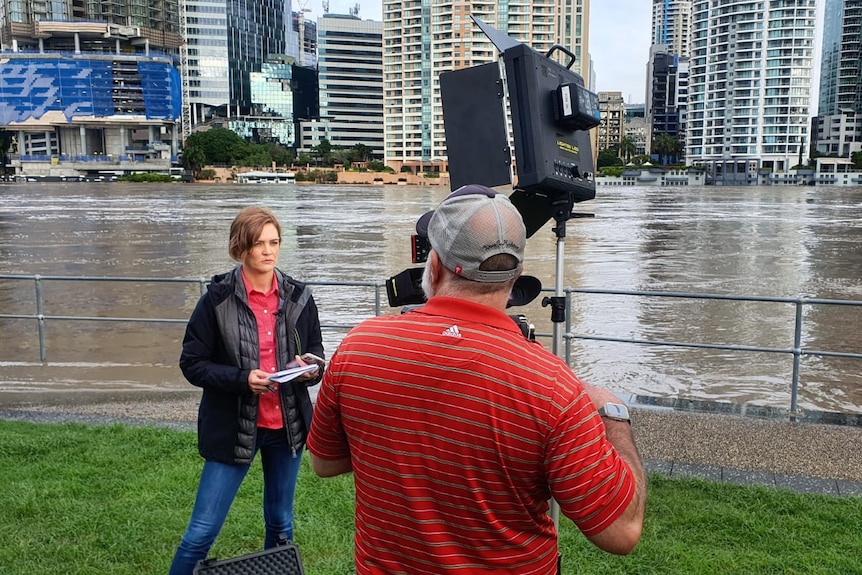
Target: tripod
x=561, y=210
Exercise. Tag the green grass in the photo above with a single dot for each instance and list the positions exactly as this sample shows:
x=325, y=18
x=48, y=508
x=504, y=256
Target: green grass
x=79, y=499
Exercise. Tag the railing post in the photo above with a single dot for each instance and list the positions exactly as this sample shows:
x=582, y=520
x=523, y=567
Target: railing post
x=203, y=285
x=377, y=298
x=797, y=353
x=40, y=320
x=568, y=326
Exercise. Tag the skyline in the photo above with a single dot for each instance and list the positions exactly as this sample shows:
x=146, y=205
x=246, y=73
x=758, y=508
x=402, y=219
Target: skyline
x=619, y=67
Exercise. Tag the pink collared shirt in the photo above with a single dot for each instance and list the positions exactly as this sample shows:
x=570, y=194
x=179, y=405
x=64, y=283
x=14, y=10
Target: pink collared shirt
x=264, y=307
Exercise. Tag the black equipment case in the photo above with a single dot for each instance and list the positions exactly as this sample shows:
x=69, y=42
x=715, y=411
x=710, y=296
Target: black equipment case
x=280, y=560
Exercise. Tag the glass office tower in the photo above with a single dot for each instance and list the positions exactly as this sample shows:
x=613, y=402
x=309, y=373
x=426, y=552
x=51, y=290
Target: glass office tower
x=228, y=41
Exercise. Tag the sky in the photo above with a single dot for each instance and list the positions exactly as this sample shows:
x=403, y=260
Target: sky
x=619, y=39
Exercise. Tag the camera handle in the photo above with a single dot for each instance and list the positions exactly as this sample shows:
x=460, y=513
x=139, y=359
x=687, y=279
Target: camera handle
x=558, y=48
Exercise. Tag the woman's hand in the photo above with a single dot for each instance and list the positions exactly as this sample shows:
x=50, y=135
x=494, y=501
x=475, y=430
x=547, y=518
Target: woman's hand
x=307, y=359
x=258, y=381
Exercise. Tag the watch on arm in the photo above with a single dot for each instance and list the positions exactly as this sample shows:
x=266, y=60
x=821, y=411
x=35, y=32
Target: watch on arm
x=615, y=412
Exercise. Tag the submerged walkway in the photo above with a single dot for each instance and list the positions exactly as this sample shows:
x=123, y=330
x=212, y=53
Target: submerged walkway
x=712, y=441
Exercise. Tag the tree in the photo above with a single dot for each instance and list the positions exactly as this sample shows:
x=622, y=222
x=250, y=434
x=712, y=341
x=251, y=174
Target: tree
x=677, y=150
x=280, y=155
x=856, y=158
x=627, y=148
x=360, y=153
x=194, y=159
x=258, y=157
x=5, y=143
x=323, y=150
x=341, y=156
x=664, y=146
x=220, y=146
x=608, y=157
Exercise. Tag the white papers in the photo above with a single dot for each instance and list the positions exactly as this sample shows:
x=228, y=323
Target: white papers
x=292, y=373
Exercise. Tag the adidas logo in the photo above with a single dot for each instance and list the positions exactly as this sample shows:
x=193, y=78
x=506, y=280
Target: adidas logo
x=452, y=331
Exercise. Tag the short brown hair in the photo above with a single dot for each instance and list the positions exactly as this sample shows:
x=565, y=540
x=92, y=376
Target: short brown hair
x=247, y=227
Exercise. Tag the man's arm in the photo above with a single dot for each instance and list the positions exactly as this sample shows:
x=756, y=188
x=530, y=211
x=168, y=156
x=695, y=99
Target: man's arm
x=330, y=467
x=622, y=535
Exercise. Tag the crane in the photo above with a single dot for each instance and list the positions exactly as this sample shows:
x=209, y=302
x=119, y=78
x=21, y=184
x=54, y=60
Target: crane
x=303, y=8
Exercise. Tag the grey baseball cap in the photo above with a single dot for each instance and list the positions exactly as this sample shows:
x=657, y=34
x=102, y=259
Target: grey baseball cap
x=471, y=225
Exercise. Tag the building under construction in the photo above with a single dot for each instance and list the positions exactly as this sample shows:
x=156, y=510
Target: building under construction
x=89, y=90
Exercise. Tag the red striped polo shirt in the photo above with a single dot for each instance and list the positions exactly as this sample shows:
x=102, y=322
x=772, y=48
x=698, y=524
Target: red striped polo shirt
x=460, y=431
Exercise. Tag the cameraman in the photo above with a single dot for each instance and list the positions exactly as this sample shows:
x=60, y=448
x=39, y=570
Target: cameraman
x=459, y=430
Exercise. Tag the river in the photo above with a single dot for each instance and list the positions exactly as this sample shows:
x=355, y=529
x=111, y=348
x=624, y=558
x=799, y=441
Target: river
x=757, y=241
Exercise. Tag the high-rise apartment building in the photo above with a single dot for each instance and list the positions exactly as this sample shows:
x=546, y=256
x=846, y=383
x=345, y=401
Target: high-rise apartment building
x=350, y=72
x=750, y=86
x=90, y=89
x=635, y=127
x=227, y=41
x=836, y=129
x=667, y=77
x=421, y=40
x=667, y=98
x=671, y=24
x=612, y=110
x=155, y=22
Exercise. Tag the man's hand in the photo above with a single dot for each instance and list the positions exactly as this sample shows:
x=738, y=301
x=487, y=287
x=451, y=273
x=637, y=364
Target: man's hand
x=330, y=468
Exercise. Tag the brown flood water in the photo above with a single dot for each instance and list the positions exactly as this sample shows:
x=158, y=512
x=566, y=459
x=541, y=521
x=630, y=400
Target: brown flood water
x=756, y=241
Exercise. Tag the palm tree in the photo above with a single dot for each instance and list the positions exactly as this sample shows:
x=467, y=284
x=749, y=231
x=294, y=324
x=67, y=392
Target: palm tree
x=677, y=149
x=627, y=148
x=663, y=145
x=194, y=159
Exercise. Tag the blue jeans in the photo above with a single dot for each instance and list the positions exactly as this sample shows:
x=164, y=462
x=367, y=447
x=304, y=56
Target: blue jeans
x=217, y=490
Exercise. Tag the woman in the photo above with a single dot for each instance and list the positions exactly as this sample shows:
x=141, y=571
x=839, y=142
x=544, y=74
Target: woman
x=252, y=321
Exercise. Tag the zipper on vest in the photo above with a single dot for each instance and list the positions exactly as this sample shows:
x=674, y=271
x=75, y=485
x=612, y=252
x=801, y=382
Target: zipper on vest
x=285, y=419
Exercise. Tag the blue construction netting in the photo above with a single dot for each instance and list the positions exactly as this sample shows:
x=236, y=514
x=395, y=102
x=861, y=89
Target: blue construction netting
x=32, y=87
x=162, y=90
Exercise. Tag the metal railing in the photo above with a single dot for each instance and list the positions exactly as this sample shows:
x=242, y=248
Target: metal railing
x=796, y=351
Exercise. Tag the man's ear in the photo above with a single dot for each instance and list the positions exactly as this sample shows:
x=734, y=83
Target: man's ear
x=436, y=265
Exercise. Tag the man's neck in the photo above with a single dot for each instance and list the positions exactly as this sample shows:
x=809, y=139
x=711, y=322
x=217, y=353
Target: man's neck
x=496, y=300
